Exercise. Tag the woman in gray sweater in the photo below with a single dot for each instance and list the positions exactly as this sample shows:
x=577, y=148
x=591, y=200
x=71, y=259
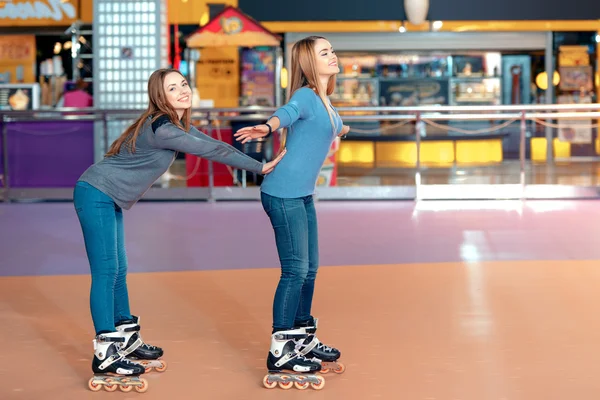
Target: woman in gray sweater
x=134, y=162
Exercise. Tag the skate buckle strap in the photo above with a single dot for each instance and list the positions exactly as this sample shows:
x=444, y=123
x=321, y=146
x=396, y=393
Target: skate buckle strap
x=133, y=347
x=103, y=339
x=283, y=360
x=290, y=336
x=132, y=328
x=312, y=329
x=308, y=347
x=110, y=360
x=289, y=356
x=292, y=355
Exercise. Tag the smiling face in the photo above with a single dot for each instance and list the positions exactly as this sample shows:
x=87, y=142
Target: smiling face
x=177, y=92
x=325, y=58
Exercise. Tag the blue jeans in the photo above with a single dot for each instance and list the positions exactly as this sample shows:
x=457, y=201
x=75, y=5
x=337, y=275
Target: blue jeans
x=102, y=225
x=296, y=236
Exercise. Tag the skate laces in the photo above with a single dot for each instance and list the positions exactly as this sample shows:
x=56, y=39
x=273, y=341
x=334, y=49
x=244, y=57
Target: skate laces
x=324, y=347
x=298, y=352
x=149, y=346
x=128, y=361
x=300, y=357
x=120, y=347
x=320, y=344
x=146, y=345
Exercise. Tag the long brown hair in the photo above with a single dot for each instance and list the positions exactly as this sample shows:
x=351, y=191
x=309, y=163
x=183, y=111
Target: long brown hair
x=158, y=105
x=304, y=73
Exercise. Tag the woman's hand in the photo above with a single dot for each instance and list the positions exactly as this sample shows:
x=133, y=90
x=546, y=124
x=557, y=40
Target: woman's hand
x=268, y=167
x=251, y=132
x=345, y=130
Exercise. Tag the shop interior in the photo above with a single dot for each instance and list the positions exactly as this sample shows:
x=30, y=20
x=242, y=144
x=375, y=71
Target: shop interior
x=367, y=78
x=44, y=64
x=474, y=78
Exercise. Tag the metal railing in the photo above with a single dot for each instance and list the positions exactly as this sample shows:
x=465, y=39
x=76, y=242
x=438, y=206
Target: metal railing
x=212, y=118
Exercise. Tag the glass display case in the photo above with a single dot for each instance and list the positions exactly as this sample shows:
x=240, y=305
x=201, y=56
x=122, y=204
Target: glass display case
x=356, y=92
x=466, y=91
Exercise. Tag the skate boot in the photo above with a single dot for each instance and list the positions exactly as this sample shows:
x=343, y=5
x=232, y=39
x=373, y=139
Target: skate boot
x=111, y=369
x=311, y=347
x=287, y=367
x=136, y=350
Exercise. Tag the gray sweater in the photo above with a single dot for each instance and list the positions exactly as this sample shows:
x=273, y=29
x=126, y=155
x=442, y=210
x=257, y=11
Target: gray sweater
x=125, y=177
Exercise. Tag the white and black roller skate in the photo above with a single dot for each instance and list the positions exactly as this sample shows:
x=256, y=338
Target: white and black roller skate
x=311, y=347
x=136, y=350
x=111, y=369
x=287, y=367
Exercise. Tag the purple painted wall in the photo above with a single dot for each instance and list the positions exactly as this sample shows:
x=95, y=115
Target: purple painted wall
x=48, y=154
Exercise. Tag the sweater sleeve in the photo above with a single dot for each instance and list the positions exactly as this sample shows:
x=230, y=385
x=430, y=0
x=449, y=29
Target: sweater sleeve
x=300, y=106
x=168, y=136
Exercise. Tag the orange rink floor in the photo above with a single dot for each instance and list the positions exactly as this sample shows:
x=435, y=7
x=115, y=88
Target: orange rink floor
x=449, y=331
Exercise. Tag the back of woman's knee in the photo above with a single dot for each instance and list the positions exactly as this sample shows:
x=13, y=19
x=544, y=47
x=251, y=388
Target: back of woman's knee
x=296, y=270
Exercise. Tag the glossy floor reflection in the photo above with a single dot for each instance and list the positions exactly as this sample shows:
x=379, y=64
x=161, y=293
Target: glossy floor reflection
x=568, y=172
x=45, y=239
x=579, y=172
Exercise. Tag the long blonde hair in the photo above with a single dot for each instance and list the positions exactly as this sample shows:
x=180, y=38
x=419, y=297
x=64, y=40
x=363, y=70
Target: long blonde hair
x=304, y=73
x=157, y=106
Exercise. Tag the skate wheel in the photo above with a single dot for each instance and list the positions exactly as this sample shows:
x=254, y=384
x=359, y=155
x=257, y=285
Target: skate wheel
x=126, y=388
x=143, y=387
x=93, y=386
x=287, y=384
x=303, y=384
x=340, y=369
x=147, y=370
x=325, y=370
x=320, y=385
x=111, y=388
x=162, y=368
x=269, y=384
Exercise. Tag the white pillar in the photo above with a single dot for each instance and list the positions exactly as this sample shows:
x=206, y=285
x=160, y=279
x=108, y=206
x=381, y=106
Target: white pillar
x=130, y=42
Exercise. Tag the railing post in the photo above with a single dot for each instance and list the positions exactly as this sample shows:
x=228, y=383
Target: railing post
x=418, y=145
x=522, y=152
x=549, y=94
x=5, y=179
x=105, y=131
x=211, y=178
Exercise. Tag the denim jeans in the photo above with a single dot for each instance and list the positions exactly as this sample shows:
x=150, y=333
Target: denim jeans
x=102, y=225
x=296, y=236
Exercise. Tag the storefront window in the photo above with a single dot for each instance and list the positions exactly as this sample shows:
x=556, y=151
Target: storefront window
x=388, y=79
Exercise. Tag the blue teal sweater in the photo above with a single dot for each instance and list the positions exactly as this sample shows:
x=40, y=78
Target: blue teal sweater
x=309, y=139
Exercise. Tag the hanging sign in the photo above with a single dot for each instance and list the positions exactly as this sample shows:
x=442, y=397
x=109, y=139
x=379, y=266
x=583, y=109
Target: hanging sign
x=37, y=12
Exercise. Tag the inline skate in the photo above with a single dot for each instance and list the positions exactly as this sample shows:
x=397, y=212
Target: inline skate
x=311, y=347
x=287, y=367
x=111, y=369
x=136, y=350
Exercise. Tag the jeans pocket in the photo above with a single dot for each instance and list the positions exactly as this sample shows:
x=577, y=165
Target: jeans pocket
x=79, y=193
x=265, y=199
x=277, y=213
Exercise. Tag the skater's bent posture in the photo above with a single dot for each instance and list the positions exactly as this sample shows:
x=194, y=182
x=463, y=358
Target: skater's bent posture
x=311, y=125
x=134, y=162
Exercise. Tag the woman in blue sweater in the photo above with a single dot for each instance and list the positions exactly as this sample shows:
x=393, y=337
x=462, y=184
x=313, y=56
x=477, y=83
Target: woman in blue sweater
x=310, y=125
